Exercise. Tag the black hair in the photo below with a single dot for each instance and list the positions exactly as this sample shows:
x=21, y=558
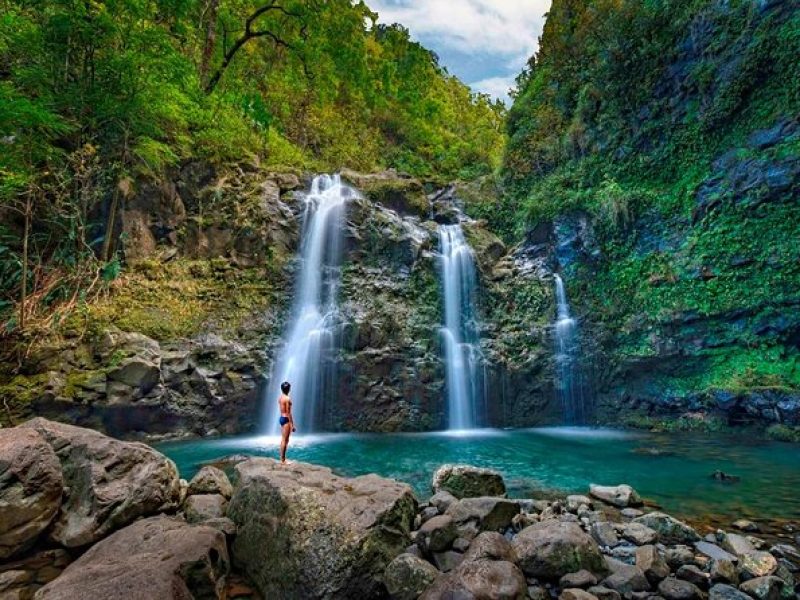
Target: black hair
x=285, y=387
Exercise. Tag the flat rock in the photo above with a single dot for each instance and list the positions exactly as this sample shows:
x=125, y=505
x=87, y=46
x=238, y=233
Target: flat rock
x=465, y=481
x=407, y=576
x=30, y=488
x=551, y=549
x=713, y=551
x=480, y=579
x=638, y=533
x=669, y=529
x=211, y=480
x=107, y=483
x=736, y=544
x=159, y=557
x=621, y=496
x=304, y=532
x=489, y=513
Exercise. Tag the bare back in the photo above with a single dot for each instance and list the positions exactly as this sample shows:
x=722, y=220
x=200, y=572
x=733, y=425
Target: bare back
x=285, y=405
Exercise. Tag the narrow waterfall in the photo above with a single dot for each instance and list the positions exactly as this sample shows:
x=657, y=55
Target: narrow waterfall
x=569, y=381
x=305, y=357
x=465, y=375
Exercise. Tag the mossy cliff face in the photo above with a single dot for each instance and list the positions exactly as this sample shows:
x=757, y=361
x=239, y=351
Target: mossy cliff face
x=672, y=206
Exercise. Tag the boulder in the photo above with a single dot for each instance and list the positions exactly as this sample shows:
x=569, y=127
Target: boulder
x=604, y=534
x=679, y=555
x=638, y=533
x=579, y=579
x=159, y=557
x=211, y=480
x=714, y=552
x=735, y=543
x=304, y=532
x=464, y=481
x=604, y=593
x=726, y=592
x=745, y=525
x=448, y=560
x=756, y=564
x=763, y=588
x=442, y=500
x=436, y=534
x=107, y=483
x=489, y=513
x=616, y=495
x=693, y=575
x=669, y=529
x=575, y=501
x=649, y=561
x=30, y=488
x=480, y=580
x=490, y=545
x=552, y=549
x=723, y=571
x=407, y=576
x=202, y=507
x=678, y=589
x=625, y=578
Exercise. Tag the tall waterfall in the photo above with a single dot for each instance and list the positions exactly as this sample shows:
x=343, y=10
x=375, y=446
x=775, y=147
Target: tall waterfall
x=305, y=358
x=464, y=362
x=569, y=381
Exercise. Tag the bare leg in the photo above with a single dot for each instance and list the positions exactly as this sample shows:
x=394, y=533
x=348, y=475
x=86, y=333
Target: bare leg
x=286, y=431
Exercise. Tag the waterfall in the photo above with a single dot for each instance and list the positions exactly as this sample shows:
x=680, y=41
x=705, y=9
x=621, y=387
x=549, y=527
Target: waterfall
x=569, y=382
x=465, y=375
x=305, y=358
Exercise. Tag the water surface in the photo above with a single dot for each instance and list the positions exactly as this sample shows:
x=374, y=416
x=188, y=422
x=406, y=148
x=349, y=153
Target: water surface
x=670, y=470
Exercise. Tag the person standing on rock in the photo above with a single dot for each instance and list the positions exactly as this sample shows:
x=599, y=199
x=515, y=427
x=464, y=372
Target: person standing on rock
x=286, y=420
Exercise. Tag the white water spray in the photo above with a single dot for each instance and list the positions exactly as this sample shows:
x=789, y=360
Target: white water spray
x=465, y=376
x=305, y=358
x=569, y=383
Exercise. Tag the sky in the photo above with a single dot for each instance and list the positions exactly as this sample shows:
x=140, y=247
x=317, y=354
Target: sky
x=485, y=43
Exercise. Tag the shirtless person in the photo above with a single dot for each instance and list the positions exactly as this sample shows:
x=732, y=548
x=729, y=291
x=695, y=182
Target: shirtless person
x=286, y=420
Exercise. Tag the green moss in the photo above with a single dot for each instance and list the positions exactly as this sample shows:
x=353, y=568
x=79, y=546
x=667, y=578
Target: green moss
x=17, y=394
x=698, y=423
x=783, y=433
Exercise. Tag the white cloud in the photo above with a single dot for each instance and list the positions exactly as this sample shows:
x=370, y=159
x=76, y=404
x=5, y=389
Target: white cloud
x=496, y=87
x=506, y=30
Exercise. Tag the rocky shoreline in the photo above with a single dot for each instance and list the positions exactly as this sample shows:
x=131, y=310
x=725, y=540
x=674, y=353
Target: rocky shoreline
x=84, y=515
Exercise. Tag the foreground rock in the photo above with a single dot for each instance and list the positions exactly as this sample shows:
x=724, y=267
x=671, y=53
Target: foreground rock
x=407, y=576
x=464, y=481
x=304, y=532
x=552, y=549
x=159, y=557
x=30, y=488
x=211, y=480
x=107, y=483
x=480, y=580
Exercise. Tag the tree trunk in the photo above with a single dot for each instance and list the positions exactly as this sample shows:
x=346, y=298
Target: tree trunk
x=210, y=41
x=110, y=220
x=23, y=295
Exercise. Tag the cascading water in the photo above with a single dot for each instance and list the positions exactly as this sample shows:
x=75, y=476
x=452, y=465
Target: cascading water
x=569, y=382
x=305, y=358
x=465, y=375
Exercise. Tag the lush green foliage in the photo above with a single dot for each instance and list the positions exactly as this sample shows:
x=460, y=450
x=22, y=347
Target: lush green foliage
x=622, y=114
x=95, y=96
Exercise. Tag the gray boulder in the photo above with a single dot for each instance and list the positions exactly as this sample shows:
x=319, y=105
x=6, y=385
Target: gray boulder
x=490, y=545
x=479, y=580
x=159, y=557
x=211, y=480
x=552, y=549
x=202, y=507
x=407, y=576
x=304, y=532
x=638, y=533
x=694, y=575
x=651, y=564
x=489, y=513
x=107, y=483
x=604, y=534
x=616, y=495
x=436, y=534
x=625, y=578
x=763, y=588
x=579, y=579
x=669, y=529
x=442, y=500
x=30, y=488
x=464, y=481
x=714, y=552
x=735, y=543
x=726, y=592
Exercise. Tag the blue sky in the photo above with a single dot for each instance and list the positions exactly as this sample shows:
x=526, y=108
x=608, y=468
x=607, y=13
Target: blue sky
x=484, y=42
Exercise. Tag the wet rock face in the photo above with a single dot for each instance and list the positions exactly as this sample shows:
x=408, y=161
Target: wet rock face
x=107, y=483
x=159, y=557
x=306, y=533
x=30, y=488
